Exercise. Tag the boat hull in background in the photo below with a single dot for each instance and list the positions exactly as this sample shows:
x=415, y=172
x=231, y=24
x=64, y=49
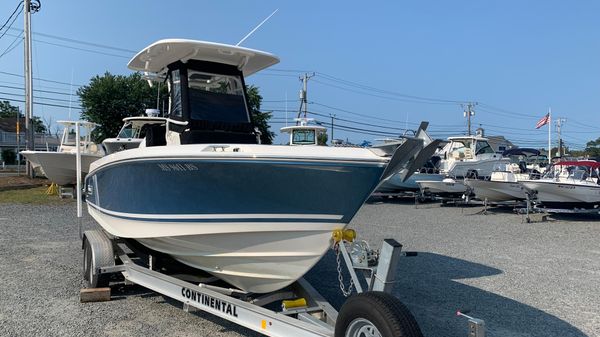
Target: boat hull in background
x=496, y=191
x=444, y=188
x=60, y=167
x=563, y=194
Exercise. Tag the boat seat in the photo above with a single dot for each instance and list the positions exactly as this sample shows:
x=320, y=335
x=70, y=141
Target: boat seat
x=155, y=135
x=468, y=153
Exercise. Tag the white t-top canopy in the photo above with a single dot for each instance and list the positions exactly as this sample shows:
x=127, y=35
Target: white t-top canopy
x=158, y=55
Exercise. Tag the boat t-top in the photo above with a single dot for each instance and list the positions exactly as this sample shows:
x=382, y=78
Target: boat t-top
x=201, y=189
x=304, y=133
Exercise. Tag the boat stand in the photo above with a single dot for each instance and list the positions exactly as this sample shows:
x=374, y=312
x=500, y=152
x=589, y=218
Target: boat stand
x=67, y=191
x=303, y=311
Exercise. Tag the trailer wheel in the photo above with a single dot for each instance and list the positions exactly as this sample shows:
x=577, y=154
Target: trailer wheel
x=91, y=278
x=375, y=314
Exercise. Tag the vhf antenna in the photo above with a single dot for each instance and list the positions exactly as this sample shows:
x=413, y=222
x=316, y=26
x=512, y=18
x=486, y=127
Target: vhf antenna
x=257, y=27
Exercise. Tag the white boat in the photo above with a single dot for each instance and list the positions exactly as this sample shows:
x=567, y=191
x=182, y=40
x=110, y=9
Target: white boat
x=447, y=187
x=60, y=166
x=470, y=156
x=567, y=184
x=304, y=133
x=132, y=133
x=202, y=190
x=504, y=185
x=463, y=156
x=421, y=167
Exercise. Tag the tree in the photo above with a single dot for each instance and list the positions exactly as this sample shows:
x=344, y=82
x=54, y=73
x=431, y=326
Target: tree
x=260, y=119
x=9, y=156
x=8, y=110
x=322, y=138
x=107, y=99
x=592, y=148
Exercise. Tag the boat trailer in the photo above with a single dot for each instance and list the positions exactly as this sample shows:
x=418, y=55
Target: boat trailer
x=297, y=310
x=532, y=207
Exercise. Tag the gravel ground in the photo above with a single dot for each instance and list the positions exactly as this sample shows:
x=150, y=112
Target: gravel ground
x=538, y=279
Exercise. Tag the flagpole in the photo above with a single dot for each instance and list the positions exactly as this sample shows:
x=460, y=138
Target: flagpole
x=549, y=135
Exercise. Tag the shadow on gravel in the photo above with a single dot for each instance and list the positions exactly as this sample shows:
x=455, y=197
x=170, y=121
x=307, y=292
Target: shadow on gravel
x=575, y=217
x=429, y=285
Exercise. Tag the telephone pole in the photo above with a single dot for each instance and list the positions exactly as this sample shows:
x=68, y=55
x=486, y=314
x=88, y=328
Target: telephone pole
x=332, y=117
x=468, y=112
x=559, y=123
x=29, y=8
x=303, y=94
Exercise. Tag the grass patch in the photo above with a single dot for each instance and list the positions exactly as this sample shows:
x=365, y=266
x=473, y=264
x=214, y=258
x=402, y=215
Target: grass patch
x=35, y=195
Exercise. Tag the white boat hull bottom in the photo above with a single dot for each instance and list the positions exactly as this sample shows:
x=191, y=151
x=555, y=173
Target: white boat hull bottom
x=496, y=191
x=560, y=195
x=453, y=188
x=255, y=257
x=60, y=167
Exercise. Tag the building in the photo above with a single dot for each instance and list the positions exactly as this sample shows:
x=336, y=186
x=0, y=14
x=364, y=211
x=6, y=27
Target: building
x=8, y=137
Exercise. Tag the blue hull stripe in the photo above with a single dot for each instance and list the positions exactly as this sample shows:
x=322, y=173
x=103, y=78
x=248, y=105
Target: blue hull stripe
x=279, y=190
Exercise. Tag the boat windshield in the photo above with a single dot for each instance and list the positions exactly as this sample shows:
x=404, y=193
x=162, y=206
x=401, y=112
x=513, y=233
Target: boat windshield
x=458, y=146
x=69, y=137
x=127, y=131
x=483, y=147
x=216, y=97
x=303, y=137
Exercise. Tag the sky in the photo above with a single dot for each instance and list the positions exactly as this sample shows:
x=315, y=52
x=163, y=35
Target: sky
x=380, y=67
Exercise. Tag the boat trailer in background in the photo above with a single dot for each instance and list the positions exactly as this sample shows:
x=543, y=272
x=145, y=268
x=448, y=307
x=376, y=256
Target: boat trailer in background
x=532, y=208
x=297, y=310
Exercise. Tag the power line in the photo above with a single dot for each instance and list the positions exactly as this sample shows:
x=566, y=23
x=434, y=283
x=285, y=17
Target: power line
x=91, y=44
x=38, y=90
x=77, y=48
x=380, y=96
x=41, y=79
x=13, y=19
x=38, y=97
x=387, y=92
x=10, y=47
x=39, y=103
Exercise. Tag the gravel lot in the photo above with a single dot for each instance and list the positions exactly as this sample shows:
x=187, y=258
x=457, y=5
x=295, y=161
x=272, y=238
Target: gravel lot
x=538, y=279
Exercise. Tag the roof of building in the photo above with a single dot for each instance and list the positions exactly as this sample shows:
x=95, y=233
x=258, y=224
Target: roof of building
x=8, y=124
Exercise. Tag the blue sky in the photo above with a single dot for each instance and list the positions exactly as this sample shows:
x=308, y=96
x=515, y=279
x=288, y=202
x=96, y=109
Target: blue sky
x=380, y=66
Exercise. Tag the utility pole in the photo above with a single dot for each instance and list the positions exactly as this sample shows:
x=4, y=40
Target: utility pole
x=468, y=112
x=303, y=94
x=559, y=124
x=332, y=117
x=29, y=132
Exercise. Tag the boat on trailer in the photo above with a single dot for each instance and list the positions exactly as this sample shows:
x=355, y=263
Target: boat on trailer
x=201, y=189
x=503, y=185
x=567, y=185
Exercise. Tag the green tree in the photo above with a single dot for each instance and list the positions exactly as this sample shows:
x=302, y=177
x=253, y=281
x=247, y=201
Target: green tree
x=322, y=138
x=260, y=119
x=107, y=99
x=9, y=156
x=592, y=148
x=8, y=110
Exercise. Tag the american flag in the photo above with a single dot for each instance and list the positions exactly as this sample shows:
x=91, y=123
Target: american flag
x=545, y=120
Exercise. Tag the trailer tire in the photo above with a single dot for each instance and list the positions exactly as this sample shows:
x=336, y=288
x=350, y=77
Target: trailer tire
x=91, y=278
x=375, y=313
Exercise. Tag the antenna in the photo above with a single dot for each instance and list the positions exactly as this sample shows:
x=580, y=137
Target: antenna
x=257, y=27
